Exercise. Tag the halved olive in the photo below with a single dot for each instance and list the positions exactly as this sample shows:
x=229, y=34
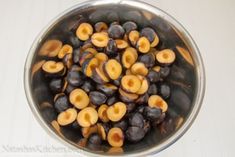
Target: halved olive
x=68, y=60
x=87, y=131
x=113, y=69
x=97, y=98
x=111, y=100
x=79, y=98
x=84, y=31
x=165, y=57
x=36, y=69
x=50, y=48
x=56, y=85
x=129, y=57
x=149, y=33
x=102, y=57
x=111, y=49
x=108, y=89
x=144, y=87
x=116, y=111
x=88, y=85
x=116, y=31
x=143, y=45
x=87, y=117
x=153, y=76
x=129, y=26
x=127, y=97
x=101, y=26
x=102, y=113
x=143, y=99
x=158, y=102
x=134, y=37
x=99, y=76
x=100, y=39
x=61, y=103
x=115, y=137
x=53, y=68
x=91, y=50
x=131, y=83
x=101, y=131
x=156, y=68
x=148, y=59
x=75, y=78
x=87, y=44
x=139, y=69
x=84, y=56
x=155, y=42
x=76, y=55
x=66, y=49
x=67, y=117
x=121, y=44
x=89, y=65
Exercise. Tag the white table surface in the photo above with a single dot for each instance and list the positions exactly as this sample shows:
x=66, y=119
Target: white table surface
x=211, y=24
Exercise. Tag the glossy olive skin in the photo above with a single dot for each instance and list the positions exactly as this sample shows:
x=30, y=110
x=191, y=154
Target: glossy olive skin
x=136, y=119
x=116, y=32
x=73, y=40
x=56, y=85
x=153, y=76
x=148, y=60
x=149, y=33
x=95, y=139
x=121, y=124
x=97, y=98
x=164, y=90
x=111, y=49
x=75, y=78
x=152, y=113
x=76, y=55
x=61, y=103
x=88, y=85
x=153, y=89
x=108, y=91
x=135, y=134
x=130, y=107
x=129, y=26
x=143, y=99
x=111, y=100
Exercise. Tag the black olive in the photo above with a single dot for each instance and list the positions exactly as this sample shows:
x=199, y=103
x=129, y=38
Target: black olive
x=130, y=107
x=121, y=124
x=135, y=134
x=153, y=76
x=95, y=139
x=143, y=99
x=116, y=32
x=129, y=26
x=74, y=41
x=111, y=100
x=153, y=90
x=69, y=88
x=140, y=109
x=76, y=126
x=107, y=90
x=149, y=33
x=75, y=67
x=76, y=55
x=75, y=78
x=88, y=85
x=56, y=85
x=152, y=113
x=164, y=91
x=111, y=49
x=164, y=72
x=49, y=114
x=148, y=60
x=136, y=119
x=97, y=98
x=61, y=103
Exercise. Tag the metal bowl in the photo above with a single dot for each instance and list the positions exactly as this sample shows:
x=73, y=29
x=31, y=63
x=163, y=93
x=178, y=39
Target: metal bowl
x=188, y=83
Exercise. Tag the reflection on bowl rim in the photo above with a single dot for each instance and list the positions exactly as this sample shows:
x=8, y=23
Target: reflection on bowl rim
x=199, y=69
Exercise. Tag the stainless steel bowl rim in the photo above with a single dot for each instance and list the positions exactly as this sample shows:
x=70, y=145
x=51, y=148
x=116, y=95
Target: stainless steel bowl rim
x=141, y=5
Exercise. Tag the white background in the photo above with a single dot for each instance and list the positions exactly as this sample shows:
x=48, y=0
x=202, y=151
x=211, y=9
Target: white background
x=210, y=22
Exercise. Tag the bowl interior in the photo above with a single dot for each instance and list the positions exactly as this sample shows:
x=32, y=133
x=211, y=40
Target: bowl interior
x=182, y=79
